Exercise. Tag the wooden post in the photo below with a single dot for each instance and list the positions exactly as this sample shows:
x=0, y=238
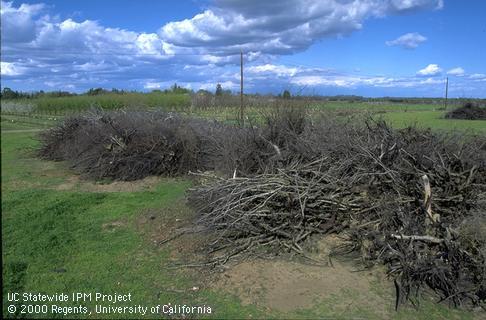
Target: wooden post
x=447, y=89
x=242, y=119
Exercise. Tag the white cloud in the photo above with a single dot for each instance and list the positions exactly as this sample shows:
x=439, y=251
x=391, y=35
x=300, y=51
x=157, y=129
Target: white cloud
x=278, y=27
x=92, y=66
x=279, y=70
x=10, y=69
x=355, y=81
x=343, y=81
x=18, y=24
x=456, y=71
x=430, y=70
x=407, y=5
x=477, y=76
x=408, y=41
x=152, y=85
x=431, y=81
x=211, y=86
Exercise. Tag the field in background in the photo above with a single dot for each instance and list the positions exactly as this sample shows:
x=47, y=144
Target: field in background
x=62, y=234
x=45, y=111
x=110, y=101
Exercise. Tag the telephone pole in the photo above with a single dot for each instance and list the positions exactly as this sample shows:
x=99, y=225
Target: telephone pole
x=447, y=89
x=242, y=119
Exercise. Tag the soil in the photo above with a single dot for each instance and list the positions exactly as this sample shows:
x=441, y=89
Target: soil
x=74, y=182
x=285, y=286
x=277, y=284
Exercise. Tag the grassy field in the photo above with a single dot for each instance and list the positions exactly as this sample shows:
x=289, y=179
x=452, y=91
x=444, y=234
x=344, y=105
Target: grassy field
x=44, y=111
x=109, y=101
x=63, y=234
x=434, y=120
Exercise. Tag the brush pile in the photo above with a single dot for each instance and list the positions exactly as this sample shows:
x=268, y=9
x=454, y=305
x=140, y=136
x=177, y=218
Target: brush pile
x=130, y=145
x=411, y=199
x=124, y=145
x=469, y=111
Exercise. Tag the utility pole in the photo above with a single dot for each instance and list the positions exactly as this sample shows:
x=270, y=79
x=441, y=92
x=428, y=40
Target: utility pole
x=447, y=89
x=242, y=119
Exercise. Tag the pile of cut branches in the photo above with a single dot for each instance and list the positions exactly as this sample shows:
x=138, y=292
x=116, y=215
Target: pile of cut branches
x=469, y=111
x=130, y=145
x=409, y=199
x=124, y=145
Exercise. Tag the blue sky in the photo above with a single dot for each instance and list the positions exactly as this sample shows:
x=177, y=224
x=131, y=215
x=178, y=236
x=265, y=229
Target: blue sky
x=362, y=47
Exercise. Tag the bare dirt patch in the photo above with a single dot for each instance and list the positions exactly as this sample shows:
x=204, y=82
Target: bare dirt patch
x=276, y=284
x=75, y=182
x=171, y=226
x=289, y=285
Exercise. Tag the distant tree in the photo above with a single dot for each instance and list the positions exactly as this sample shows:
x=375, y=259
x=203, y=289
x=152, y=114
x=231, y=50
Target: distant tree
x=59, y=93
x=117, y=91
x=286, y=94
x=204, y=92
x=96, y=91
x=8, y=93
x=219, y=90
x=178, y=89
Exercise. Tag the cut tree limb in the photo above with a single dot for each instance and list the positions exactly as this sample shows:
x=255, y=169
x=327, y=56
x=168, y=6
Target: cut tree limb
x=431, y=217
x=419, y=238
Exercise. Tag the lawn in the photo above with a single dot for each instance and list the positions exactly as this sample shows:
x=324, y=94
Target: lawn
x=63, y=234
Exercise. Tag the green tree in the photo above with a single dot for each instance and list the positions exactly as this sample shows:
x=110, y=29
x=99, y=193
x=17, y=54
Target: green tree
x=286, y=94
x=8, y=93
x=219, y=90
x=178, y=89
x=96, y=91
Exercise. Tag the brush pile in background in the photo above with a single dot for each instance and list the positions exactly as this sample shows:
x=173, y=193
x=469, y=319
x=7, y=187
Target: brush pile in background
x=130, y=145
x=411, y=199
x=123, y=145
x=469, y=111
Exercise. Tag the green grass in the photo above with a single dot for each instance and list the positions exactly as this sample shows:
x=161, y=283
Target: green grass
x=374, y=106
x=434, y=120
x=55, y=241
x=110, y=101
x=73, y=241
x=18, y=122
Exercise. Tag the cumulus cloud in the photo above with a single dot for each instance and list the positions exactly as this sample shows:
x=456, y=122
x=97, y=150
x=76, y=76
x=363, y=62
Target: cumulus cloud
x=279, y=27
x=357, y=81
x=456, y=71
x=408, y=40
x=279, y=70
x=430, y=70
x=10, y=69
x=19, y=24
